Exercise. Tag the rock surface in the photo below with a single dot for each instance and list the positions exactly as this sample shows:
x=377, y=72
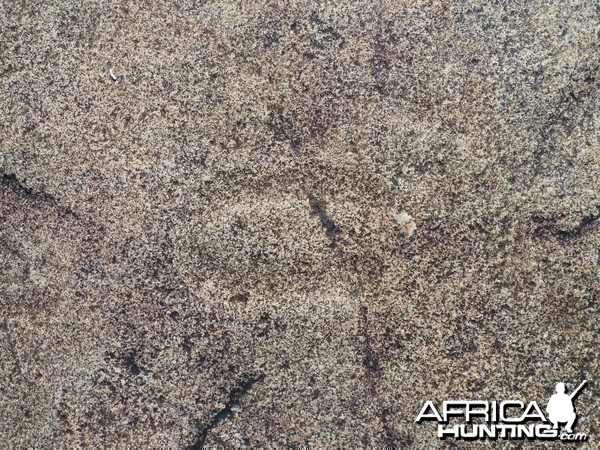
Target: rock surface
x=204, y=251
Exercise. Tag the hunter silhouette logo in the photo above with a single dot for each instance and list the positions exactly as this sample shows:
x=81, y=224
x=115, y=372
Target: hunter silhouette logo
x=560, y=407
x=507, y=419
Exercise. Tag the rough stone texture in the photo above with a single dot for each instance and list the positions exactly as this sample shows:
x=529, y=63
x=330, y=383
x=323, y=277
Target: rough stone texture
x=204, y=252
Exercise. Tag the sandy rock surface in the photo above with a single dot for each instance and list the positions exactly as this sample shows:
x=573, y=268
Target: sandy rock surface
x=290, y=224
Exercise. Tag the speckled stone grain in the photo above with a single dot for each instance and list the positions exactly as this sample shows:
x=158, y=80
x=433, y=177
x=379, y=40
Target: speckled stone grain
x=291, y=223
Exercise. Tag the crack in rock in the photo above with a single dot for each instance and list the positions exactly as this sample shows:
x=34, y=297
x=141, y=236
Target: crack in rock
x=10, y=180
x=235, y=397
x=318, y=208
x=587, y=222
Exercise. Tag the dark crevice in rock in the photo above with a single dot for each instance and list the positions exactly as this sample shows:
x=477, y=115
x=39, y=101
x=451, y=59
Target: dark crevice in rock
x=586, y=223
x=370, y=361
x=373, y=371
x=318, y=208
x=11, y=348
x=10, y=180
x=235, y=397
x=392, y=440
x=131, y=365
x=565, y=235
x=561, y=116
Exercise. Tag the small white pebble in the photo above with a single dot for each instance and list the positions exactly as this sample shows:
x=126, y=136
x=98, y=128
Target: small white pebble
x=112, y=75
x=406, y=222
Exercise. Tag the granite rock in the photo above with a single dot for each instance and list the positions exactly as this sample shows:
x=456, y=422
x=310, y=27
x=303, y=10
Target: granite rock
x=206, y=251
